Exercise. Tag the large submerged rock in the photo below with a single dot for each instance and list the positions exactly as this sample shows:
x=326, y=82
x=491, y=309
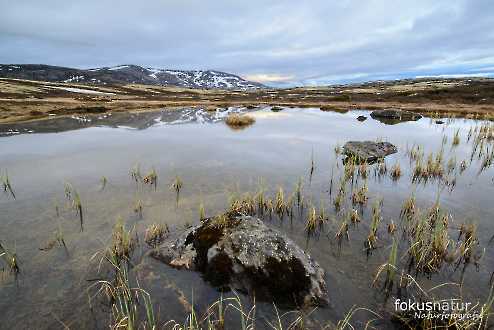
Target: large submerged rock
x=242, y=253
x=368, y=151
x=394, y=116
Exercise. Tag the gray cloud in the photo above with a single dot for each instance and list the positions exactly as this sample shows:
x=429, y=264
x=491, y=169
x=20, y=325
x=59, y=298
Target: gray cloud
x=287, y=41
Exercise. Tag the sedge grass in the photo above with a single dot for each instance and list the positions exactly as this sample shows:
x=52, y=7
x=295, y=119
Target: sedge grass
x=202, y=212
x=395, y=171
x=359, y=195
x=280, y=203
x=389, y=267
x=9, y=258
x=456, y=138
x=151, y=178
x=311, y=221
x=156, y=234
x=103, y=182
x=176, y=186
x=7, y=185
x=72, y=195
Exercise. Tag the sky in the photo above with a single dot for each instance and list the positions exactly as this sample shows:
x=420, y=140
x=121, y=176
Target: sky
x=279, y=43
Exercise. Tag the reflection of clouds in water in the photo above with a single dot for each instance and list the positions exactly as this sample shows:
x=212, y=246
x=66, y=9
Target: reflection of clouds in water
x=213, y=163
x=270, y=114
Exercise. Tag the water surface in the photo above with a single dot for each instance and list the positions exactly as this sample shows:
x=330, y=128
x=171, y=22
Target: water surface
x=215, y=163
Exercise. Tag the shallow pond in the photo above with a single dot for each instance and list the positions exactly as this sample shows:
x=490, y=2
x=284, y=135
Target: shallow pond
x=217, y=163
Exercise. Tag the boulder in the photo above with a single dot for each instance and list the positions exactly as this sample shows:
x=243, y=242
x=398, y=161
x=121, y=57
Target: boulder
x=241, y=253
x=361, y=118
x=368, y=151
x=394, y=116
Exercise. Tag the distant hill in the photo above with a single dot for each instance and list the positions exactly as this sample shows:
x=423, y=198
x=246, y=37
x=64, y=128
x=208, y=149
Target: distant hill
x=127, y=74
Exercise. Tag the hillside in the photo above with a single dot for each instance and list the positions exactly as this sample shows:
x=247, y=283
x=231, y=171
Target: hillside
x=127, y=74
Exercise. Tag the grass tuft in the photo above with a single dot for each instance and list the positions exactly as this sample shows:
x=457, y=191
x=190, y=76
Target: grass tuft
x=237, y=121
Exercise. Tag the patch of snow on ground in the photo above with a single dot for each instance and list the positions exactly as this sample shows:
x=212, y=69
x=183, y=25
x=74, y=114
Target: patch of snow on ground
x=74, y=78
x=118, y=67
x=80, y=90
x=154, y=72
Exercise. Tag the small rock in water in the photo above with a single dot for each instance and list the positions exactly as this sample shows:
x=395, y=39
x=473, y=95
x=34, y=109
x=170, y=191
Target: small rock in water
x=368, y=151
x=276, y=109
x=242, y=253
x=439, y=122
x=361, y=118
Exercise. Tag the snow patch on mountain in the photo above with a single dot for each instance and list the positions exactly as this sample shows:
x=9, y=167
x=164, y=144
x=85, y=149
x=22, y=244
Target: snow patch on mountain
x=120, y=67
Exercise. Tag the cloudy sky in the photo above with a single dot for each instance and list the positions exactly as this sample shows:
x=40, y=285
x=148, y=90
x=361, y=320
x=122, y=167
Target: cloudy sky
x=276, y=42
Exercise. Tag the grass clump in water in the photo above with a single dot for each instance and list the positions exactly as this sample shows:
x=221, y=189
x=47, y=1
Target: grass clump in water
x=376, y=220
x=135, y=173
x=298, y=192
x=390, y=267
x=354, y=216
x=456, y=138
x=280, y=203
x=343, y=231
x=381, y=169
x=7, y=186
x=138, y=208
x=104, y=182
x=156, y=234
x=58, y=239
x=395, y=171
x=237, y=121
x=10, y=259
x=122, y=245
x=312, y=221
x=176, y=186
x=73, y=196
x=151, y=179
x=408, y=209
x=359, y=195
x=202, y=212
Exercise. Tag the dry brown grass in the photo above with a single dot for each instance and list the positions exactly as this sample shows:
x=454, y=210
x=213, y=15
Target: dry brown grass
x=239, y=121
x=20, y=97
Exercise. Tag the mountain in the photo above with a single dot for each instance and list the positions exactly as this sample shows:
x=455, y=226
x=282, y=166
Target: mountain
x=127, y=74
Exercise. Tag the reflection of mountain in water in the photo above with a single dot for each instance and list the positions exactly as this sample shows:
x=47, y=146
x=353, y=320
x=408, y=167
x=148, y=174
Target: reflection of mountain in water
x=140, y=120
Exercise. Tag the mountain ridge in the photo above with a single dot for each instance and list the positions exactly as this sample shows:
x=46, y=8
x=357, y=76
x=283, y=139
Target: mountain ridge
x=126, y=74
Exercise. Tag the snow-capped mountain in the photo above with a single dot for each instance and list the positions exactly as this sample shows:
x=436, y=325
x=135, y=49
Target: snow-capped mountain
x=126, y=74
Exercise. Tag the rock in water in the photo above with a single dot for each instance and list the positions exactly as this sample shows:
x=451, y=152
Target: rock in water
x=392, y=116
x=242, y=253
x=361, y=118
x=368, y=151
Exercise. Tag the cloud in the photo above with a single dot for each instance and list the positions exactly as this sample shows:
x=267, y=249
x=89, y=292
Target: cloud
x=269, y=78
x=313, y=42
